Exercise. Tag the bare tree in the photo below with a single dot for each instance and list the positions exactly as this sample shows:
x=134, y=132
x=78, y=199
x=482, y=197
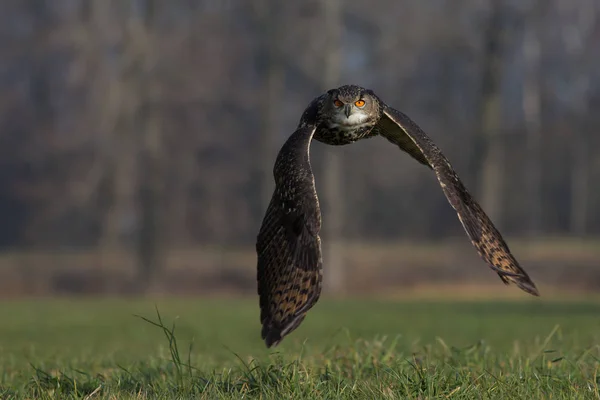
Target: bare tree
x=269, y=16
x=492, y=176
x=578, y=36
x=333, y=198
x=135, y=173
x=112, y=176
x=151, y=196
x=532, y=99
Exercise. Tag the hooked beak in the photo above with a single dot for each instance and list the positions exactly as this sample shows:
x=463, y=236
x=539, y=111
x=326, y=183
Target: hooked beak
x=347, y=110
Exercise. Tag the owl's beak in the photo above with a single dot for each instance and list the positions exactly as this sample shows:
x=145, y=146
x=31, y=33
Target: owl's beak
x=347, y=110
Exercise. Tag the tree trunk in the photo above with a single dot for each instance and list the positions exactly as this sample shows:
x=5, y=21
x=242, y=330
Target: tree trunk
x=272, y=89
x=492, y=169
x=151, y=241
x=532, y=111
x=147, y=124
x=579, y=32
x=579, y=185
x=333, y=198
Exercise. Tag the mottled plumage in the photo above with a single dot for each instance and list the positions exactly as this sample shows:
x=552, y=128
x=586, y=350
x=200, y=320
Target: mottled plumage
x=289, y=269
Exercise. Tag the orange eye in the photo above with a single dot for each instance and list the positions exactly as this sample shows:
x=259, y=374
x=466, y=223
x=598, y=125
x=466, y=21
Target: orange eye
x=338, y=103
x=360, y=103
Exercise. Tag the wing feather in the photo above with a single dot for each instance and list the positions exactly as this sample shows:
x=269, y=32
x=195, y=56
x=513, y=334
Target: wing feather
x=401, y=130
x=289, y=268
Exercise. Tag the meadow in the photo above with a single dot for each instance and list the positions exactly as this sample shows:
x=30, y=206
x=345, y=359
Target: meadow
x=73, y=348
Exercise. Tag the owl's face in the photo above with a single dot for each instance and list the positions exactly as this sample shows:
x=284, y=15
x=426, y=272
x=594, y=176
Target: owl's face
x=350, y=107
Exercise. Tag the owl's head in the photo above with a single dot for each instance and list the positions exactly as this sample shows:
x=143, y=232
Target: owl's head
x=350, y=106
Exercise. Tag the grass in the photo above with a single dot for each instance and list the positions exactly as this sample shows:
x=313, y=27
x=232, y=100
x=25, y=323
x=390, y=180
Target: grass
x=347, y=349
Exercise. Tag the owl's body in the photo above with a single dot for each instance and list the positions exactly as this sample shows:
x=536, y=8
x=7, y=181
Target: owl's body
x=289, y=270
x=336, y=134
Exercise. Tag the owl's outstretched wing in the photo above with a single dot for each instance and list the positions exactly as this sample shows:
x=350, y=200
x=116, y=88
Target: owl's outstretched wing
x=401, y=130
x=289, y=270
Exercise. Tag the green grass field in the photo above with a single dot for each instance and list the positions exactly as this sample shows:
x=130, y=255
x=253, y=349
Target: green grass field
x=95, y=349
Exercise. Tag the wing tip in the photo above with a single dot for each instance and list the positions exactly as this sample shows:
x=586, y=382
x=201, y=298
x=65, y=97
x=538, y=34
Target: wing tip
x=273, y=332
x=272, y=339
x=529, y=287
x=523, y=282
x=271, y=335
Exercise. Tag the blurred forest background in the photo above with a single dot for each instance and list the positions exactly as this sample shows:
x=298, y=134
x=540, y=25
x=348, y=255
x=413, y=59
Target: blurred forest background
x=137, y=139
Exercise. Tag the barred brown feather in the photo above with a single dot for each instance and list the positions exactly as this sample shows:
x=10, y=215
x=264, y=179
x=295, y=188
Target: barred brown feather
x=289, y=271
x=397, y=127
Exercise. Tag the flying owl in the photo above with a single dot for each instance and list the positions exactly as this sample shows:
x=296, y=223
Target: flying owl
x=289, y=268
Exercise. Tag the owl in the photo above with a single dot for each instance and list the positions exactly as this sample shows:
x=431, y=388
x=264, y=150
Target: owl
x=288, y=246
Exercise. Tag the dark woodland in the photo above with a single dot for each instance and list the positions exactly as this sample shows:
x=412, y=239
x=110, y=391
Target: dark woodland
x=138, y=138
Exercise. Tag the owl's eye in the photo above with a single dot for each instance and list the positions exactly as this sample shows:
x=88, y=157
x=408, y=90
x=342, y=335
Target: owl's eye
x=338, y=103
x=360, y=103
